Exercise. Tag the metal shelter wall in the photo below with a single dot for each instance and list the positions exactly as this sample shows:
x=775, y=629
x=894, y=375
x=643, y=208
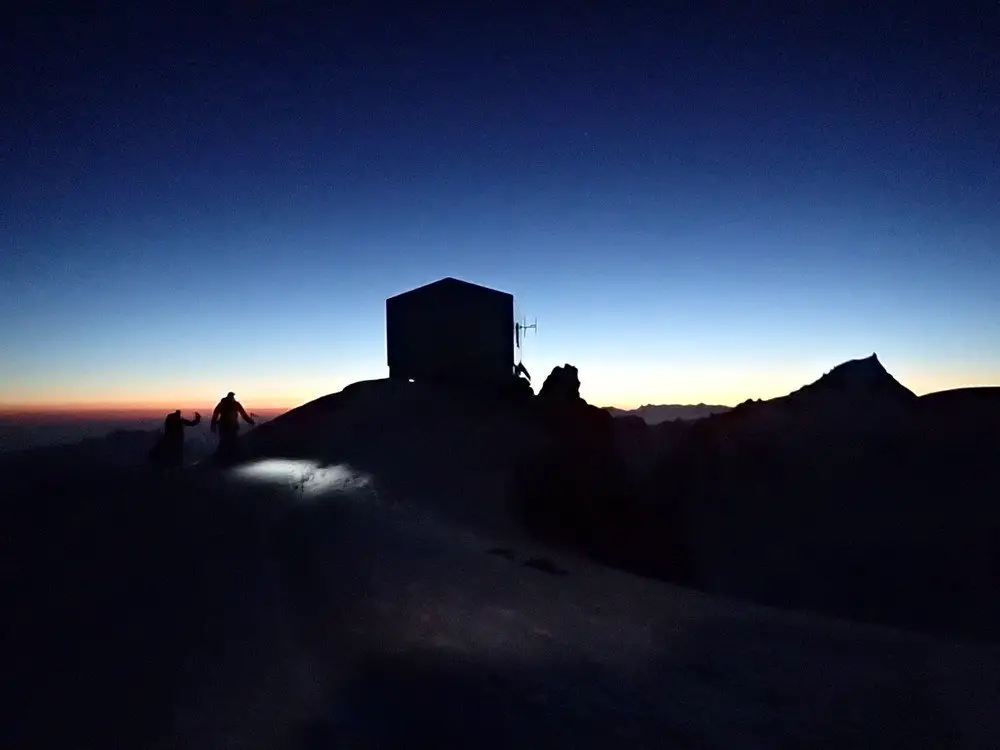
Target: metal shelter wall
x=451, y=330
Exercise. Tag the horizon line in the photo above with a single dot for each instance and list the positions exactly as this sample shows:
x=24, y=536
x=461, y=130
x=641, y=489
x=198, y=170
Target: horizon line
x=153, y=408
x=89, y=408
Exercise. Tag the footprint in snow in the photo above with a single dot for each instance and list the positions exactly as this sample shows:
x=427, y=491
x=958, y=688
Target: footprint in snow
x=501, y=551
x=545, y=565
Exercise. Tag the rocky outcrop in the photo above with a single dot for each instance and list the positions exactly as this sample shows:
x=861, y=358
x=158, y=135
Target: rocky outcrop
x=847, y=497
x=562, y=386
x=579, y=492
x=860, y=378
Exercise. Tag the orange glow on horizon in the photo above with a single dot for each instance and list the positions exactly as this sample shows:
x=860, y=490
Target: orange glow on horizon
x=259, y=397
x=92, y=410
x=620, y=386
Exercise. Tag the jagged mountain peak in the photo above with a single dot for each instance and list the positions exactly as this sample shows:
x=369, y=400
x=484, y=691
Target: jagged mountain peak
x=866, y=375
x=865, y=369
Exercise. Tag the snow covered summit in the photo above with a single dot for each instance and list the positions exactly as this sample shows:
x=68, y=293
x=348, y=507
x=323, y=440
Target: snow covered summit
x=449, y=452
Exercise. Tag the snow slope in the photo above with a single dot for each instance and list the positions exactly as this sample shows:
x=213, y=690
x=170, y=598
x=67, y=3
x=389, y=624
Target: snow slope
x=415, y=620
x=456, y=454
x=357, y=586
x=400, y=630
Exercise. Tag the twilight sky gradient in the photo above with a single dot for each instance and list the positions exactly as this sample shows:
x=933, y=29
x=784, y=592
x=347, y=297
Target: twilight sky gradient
x=697, y=206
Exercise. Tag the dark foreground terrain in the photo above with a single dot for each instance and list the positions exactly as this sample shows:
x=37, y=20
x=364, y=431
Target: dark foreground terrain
x=227, y=610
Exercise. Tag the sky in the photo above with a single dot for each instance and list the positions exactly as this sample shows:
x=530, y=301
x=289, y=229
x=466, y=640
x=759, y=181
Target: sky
x=696, y=205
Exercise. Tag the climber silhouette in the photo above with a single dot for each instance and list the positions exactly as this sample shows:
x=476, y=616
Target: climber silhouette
x=226, y=422
x=169, y=449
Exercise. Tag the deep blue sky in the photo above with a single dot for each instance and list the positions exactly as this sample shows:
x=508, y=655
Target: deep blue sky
x=696, y=205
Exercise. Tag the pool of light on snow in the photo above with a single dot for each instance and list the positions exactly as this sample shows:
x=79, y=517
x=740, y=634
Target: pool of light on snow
x=309, y=478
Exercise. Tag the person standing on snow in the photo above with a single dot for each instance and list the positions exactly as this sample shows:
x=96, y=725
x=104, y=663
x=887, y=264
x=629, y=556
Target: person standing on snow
x=169, y=450
x=226, y=422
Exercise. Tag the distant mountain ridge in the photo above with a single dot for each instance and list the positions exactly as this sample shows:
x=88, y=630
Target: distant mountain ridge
x=850, y=496
x=864, y=378
x=656, y=413
x=860, y=377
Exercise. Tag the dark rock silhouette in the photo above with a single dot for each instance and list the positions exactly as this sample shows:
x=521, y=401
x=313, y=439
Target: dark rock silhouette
x=562, y=386
x=519, y=389
x=579, y=492
x=858, y=378
x=642, y=446
x=850, y=496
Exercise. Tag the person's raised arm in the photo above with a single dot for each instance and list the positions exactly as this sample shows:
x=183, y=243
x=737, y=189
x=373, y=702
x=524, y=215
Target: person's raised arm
x=246, y=417
x=193, y=422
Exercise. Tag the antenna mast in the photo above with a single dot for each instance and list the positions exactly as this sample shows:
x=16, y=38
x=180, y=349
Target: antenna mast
x=519, y=329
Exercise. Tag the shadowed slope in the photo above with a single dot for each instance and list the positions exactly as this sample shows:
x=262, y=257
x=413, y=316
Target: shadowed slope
x=850, y=496
x=454, y=453
x=209, y=610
